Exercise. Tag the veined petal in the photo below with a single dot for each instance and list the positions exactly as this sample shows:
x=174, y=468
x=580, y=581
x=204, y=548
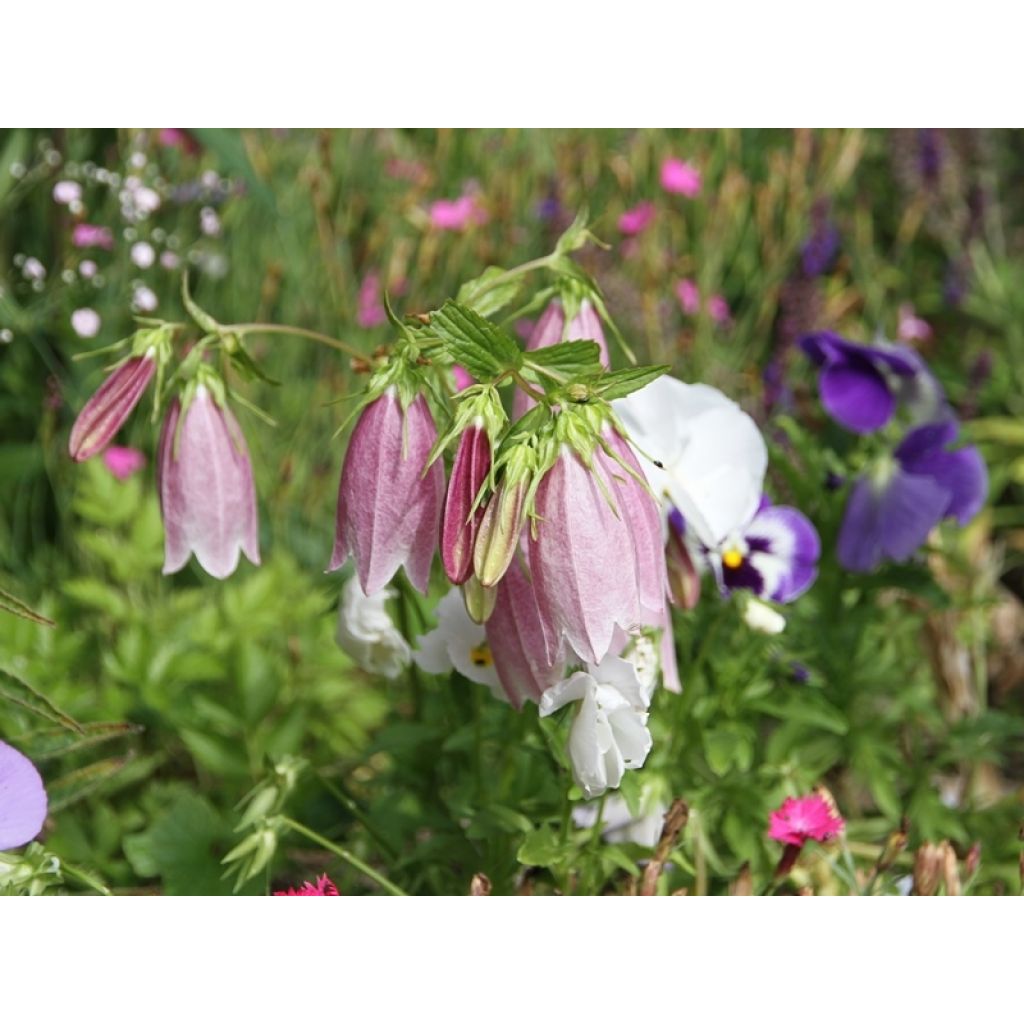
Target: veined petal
x=23, y=800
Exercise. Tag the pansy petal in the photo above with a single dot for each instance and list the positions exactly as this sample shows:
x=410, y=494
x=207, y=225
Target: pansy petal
x=856, y=396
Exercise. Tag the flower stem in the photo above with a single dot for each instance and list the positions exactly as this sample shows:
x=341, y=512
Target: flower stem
x=348, y=858
x=299, y=332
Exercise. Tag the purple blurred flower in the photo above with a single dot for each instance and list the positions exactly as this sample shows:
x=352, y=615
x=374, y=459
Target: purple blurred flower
x=370, y=310
x=104, y=414
x=636, y=219
x=123, y=462
x=893, y=508
x=207, y=493
x=929, y=154
x=862, y=385
x=819, y=251
x=22, y=799
x=388, y=507
x=457, y=214
x=680, y=177
x=92, y=236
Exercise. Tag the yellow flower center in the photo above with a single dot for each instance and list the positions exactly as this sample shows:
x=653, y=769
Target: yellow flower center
x=481, y=656
x=732, y=559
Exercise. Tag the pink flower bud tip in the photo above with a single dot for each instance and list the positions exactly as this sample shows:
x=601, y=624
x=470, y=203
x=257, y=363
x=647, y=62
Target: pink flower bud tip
x=105, y=413
x=388, y=507
x=459, y=522
x=206, y=488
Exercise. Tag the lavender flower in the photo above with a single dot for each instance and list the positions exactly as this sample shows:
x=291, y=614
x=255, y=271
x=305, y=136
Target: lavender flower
x=22, y=799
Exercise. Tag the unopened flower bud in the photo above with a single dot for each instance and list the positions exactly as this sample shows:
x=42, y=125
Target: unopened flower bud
x=683, y=575
x=105, y=413
x=502, y=523
x=928, y=864
x=460, y=521
x=478, y=599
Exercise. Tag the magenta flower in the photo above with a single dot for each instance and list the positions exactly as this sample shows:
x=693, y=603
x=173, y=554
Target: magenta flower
x=459, y=522
x=388, y=507
x=22, y=799
x=689, y=296
x=803, y=818
x=462, y=378
x=370, y=310
x=92, y=236
x=637, y=219
x=911, y=327
x=178, y=138
x=457, y=214
x=593, y=567
x=526, y=656
x=206, y=488
x=322, y=887
x=104, y=414
x=718, y=310
x=123, y=462
x=680, y=177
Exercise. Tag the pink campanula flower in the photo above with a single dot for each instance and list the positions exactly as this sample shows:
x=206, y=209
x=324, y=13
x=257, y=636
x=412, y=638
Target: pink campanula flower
x=388, y=507
x=370, y=310
x=207, y=492
x=911, y=327
x=680, y=177
x=123, y=462
x=462, y=378
x=637, y=219
x=689, y=296
x=92, y=236
x=718, y=310
x=322, y=887
x=803, y=818
x=457, y=214
x=23, y=800
x=104, y=414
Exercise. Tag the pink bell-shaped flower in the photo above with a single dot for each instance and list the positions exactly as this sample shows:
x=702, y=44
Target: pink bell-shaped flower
x=104, y=414
x=388, y=507
x=206, y=488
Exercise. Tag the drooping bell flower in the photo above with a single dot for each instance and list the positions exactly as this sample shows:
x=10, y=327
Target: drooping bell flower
x=388, y=506
x=583, y=552
x=710, y=457
x=551, y=329
x=526, y=658
x=609, y=735
x=367, y=633
x=207, y=492
x=775, y=556
x=862, y=386
x=461, y=518
x=23, y=800
x=900, y=500
x=105, y=413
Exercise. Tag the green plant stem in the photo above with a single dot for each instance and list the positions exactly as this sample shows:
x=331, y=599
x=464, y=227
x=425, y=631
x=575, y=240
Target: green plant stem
x=299, y=332
x=348, y=858
x=337, y=790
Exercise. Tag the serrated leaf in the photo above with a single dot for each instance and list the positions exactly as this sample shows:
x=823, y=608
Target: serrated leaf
x=540, y=848
x=483, y=348
x=46, y=744
x=620, y=383
x=77, y=785
x=12, y=604
x=486, y=298
x=572, y=358
x=17, y=691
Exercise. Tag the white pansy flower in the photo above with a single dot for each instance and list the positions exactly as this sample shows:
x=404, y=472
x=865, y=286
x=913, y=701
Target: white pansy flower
x=620, y=825
x=458, y=643
x=713, y=458
x=609, y=735
x=367, y=634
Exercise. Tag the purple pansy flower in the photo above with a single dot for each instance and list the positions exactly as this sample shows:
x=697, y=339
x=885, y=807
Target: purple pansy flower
x=22, y=799
x=862, y=385
x=892, y=509
x=775, y=556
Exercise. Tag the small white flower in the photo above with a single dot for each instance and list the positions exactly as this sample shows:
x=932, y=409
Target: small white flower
x=458, y=643
x=609, y=735
x=33, y=269
x=762, y=617
x=169, y=260
x=143, y=254
x=209, y=222
x=143, y=299
x=87, y=268
x=86, y=322
x=619, y=825
x=367, y=634
x=67, y=192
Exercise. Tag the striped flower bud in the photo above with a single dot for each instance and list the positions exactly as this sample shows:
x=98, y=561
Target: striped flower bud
x=460, y=521
x=105, y=413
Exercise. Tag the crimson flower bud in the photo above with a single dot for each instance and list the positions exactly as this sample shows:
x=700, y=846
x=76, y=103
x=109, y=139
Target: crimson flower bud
x=460, y=522
x=104, y=414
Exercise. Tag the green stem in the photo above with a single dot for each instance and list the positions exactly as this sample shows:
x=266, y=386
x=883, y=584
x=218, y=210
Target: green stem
x=299, y=332
x=348, y=858
x=337, y=790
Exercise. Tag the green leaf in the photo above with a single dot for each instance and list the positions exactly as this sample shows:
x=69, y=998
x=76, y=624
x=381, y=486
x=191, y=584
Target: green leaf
x=95, y=594
x=78, y=784
x=541, y=848
x=18, y=692
x=486, y=299
x=483, y=348
x=572, y=358
x=12, y=604
x=620, y=383
x=46, y=744
x=807, y=708
x=16, y=151
x=248, y=368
